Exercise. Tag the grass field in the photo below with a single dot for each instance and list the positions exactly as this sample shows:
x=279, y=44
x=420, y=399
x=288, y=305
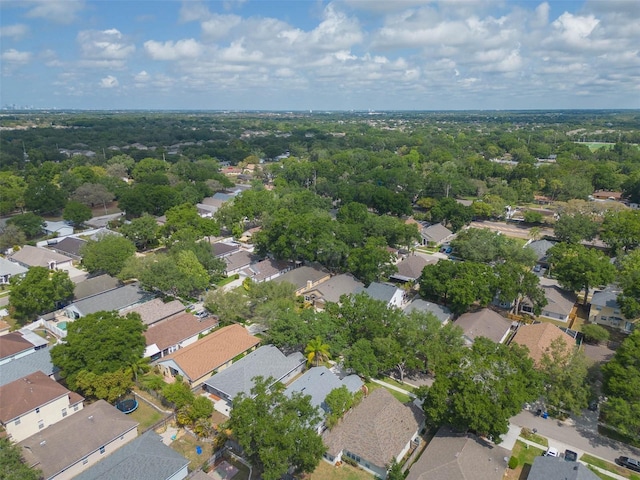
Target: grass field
x=396, y=383
x=145, y=415
x=324, y=471
x=525, y=455
x=532, y=437
x=610, y=467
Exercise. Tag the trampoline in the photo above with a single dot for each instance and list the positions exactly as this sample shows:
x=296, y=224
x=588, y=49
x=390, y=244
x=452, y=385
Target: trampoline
x=128, y=405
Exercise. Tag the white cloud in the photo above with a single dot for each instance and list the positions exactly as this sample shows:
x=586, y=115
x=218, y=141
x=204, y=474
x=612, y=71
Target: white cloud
x=217, y=27
x=16, y=32
x=57, y=11
x=182, y=49
x=104, y=44
x=574, y=28
x=16, y=57
x=109, y=82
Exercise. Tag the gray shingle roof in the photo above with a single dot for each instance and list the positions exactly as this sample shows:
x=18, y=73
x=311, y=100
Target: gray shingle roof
x=145, y=458
x=94, y=286
x=381, y=291
x=606, y=298
x=8, y=267
x=540, y=247
x=483, y=323
x=411, y=268
x=548, y=468
x=300, y=276
x=115, y=299
x=436, y=233
x=40, y=360
x=318, y=382
x=68, y=246
x=442, y=313
x=38, y=257
x=266, y=361
x=343, y=284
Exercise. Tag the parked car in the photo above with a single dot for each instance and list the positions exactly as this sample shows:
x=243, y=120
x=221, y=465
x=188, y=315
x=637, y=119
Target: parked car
x=552, y=452
x=202, y=314
x=593, y=405
x=570, y=456
x=537, y=268
x=630, y=463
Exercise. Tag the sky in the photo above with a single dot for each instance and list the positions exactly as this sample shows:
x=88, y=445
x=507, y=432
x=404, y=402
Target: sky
x=320, y=55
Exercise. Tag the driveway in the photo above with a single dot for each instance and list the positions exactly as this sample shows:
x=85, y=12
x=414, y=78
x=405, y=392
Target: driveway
x=580, y=433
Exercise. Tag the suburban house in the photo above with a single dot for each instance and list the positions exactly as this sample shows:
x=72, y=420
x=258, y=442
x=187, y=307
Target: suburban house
x=267, y=361
x=144, y=458
x=238, y=261
x=318, y=382
x=452, y=455
x=206, y=211
x=605, y=310
x=410, y=268
x=305, y=277
x=155, y=310
x=391, y=295
x=606, y=195
x=435, y=235
x=545, y=468
x=332, y=290
x=69, y=246
x=560, y=302
x=483, y=323
x=221, y=249
x=74, y=444
x=375, y=432
x=10, y=269
x=116, y=299
x=34, y=402
x=20, y=357
x=442, y=313
x=266, y=270
x=60, y=229
x=179, y=331
x=29, y=256
x=94, y=285
x=15, y=345
x=540, y=247
x=209, y=355
x=538, y=337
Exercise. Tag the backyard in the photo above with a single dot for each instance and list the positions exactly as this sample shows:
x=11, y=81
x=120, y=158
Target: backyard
x=525, y=455
x=324, y=471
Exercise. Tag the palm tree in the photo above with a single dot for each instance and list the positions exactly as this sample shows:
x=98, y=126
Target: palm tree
x=316, y=350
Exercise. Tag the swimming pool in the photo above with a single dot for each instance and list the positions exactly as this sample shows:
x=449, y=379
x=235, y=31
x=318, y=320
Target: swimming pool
x=62, y=325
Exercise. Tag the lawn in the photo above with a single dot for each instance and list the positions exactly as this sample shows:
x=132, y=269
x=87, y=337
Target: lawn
x=532, y=437
x=404, y=398
x=145, y=415
x=324, y=471
x=186, y=446
x=525, y=455
x=395, y=383
x=610, y=467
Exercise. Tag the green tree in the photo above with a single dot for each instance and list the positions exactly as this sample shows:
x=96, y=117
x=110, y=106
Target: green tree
x=371, y=262
x=361, y=358
x=99, y=343
x=107, y=386
x=531, y=216
x=339, y=400
x=107, y=254
x=515, y=283
x=38, y=291
x=12, y=467
x=316, y=351
x=276, y=431
x=575, y=228
x=91, y=194
x=629, y=281
x=622, y=229
x=31, y=224
x=480, y=388
x=594, y=333
x=12, y=190
x=44, y=198
x=579, y=268
x=178, y=393
x=142, y=231
x=178, y=275
x=11, y=236
x=77, y=213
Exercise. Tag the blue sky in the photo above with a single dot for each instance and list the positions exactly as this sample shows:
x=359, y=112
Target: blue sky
x=320, y=55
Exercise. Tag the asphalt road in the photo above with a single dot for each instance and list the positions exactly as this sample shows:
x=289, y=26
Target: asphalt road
x=579, y=434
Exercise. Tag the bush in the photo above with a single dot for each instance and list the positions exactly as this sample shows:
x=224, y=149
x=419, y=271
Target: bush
x=513, y=463
x=595, y=333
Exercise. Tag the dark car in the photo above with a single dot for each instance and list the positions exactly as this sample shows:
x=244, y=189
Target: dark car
x=593, y=405
x=537, y=268
x=570, y=456
x=630, y=463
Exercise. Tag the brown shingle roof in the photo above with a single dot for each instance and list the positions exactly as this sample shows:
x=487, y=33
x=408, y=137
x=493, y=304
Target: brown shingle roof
x=484, y=323
x=538, y=338
x=156, y=310
x=38, y=257
x=376, y=430
x=25, y=394
x=176, y=329
x=212, y=351
x=12, y=344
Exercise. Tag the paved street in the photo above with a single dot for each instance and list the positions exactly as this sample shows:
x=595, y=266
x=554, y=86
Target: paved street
x=579, y=435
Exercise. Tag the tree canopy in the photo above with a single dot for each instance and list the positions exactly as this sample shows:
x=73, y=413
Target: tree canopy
x=12, y=466
x=108, y=254
x=40, y=290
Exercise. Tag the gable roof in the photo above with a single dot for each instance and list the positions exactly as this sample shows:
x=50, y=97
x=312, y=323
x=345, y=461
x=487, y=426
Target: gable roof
x=266, y=361
x=411, y=268
x=441, y=312
x=155, y=310
x=559, y=301
x=538, y=337
x=265, y=269
x=335, y=287
x=25, y=394
x=307, y=273
x=115, y=299
x=377, y=429
x=62, y=444
x=436, y=232
x=483, y=323
x=176, y=329
x=221, y=249
x=40, y=360
x=546, y=468
x=94, y=286
x=318, y=382
x=212, y=351
x=540, y=247
x=68, y=246
x=13, y=343
x=606, y=298
x=238, y=260
x=381, y=291
x=145, y=458
x=457, y=456
x=38, y=257
x=7, y=267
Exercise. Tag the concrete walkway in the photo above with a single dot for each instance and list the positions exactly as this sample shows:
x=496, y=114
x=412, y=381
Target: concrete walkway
x=393, y=387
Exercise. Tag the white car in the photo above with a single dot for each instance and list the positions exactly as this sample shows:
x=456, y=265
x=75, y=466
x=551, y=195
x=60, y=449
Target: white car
x=552, y=452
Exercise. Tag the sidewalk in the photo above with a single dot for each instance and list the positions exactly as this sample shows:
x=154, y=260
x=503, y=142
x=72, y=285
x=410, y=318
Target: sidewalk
x=393, y=387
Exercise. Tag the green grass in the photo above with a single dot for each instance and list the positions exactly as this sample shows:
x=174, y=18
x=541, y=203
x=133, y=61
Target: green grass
x=525, y=453
x=533, y=437
x=400, y=396
x=608, y=466
x=599, y=474
x=227, y=280
x=396, y=383
x=324, y=471
x=145, y=415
